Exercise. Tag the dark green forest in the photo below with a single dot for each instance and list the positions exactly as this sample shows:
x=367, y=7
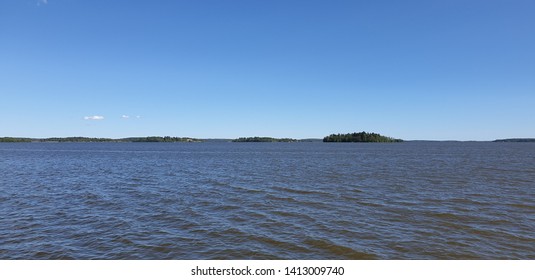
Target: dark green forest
x=14, y=140
x=360, y=137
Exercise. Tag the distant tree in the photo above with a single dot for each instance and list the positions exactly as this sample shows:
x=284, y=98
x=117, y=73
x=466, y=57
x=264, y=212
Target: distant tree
x=516, y=140
x=263, y=139
x=87, y=139
x=14, y=140
x=167, y=139
x=359, y=137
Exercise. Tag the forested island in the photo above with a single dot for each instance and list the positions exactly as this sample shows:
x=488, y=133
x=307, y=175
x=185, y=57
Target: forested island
x=348, y=137
x=360, y=137
x=161, y=139
x=14, y=139
x=264, y=139
x=516, y=140
x=89, y=139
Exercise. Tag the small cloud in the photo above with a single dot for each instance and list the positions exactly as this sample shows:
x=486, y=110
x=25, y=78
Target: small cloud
x=94, y=118
x=138, y=117
x=43, y=2
x=125, y=117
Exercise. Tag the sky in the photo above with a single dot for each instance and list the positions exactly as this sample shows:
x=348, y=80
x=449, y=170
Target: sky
x=433, y=70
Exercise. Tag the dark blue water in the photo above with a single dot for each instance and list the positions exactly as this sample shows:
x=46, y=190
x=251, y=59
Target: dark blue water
x=413, y=200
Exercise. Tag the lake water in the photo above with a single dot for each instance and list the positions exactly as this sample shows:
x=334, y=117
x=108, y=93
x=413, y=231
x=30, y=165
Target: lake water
x=412, y=200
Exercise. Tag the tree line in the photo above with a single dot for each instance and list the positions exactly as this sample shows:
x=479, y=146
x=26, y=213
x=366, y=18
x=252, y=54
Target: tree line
x=360, y=137
x=167, y=139
x=264, y=139
x=516, y=140
x=89, y=139
x=14, y=140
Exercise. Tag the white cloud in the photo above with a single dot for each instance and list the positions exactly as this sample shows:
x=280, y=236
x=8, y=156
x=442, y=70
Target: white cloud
x=44, y=2
x=94, y=118
x=139, y=117
x=125, y=117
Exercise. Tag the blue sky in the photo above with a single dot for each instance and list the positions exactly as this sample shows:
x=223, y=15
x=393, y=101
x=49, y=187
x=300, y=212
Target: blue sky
x=424, y=69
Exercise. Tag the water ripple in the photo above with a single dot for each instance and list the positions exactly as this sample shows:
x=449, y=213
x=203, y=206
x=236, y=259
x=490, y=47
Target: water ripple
x=267, y=201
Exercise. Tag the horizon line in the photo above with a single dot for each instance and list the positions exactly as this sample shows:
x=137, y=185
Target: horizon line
x=225, y=138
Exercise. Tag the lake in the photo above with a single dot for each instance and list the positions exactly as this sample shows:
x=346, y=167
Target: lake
x=219, y=200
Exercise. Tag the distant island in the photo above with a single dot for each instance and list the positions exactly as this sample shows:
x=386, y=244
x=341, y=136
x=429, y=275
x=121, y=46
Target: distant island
x=360, y=137
x=161, y=139
x=363, y=137
x=516, y=140
x=264, y=139
x=14, y=140
x=349, y=137
x=88, y=139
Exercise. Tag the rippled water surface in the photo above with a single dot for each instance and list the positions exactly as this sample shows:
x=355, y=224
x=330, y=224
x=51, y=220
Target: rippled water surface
x=412, y=200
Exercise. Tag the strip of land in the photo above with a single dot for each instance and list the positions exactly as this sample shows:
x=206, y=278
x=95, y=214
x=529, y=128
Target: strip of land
x=264, y=139
x=88, y=139
x=360, y=137
x=348, y=137
x=516, y=140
